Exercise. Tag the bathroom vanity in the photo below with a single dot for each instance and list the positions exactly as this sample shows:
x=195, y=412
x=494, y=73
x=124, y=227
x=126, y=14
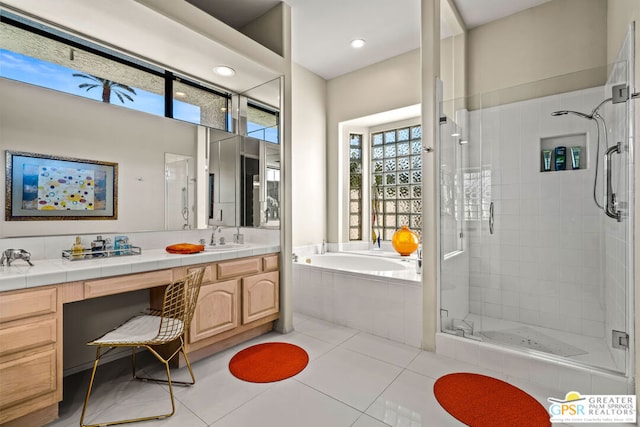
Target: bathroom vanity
x=239, y=299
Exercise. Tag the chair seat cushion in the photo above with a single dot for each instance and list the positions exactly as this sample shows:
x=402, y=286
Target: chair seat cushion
x=140, y=329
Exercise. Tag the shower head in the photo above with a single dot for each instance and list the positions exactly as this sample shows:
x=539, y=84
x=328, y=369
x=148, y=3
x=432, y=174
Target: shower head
x=577, y=113
x=591, y=116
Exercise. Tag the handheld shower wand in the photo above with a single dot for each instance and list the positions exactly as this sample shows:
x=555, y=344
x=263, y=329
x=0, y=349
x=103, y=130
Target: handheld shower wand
x=595, y=115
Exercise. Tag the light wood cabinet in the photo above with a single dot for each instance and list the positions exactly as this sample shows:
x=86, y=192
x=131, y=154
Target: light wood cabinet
x=217, y=310
x=260, y=296
x=239, y=300
x=30, y=355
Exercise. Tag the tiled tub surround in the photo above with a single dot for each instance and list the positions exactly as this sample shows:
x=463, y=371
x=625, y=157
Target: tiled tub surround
x=50, y=268
x=384, y=303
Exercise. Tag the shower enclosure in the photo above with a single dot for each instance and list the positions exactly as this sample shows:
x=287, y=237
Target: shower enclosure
x=536, y=224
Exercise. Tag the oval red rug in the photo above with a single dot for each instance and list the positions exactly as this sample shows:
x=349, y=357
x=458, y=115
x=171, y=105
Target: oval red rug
x=479, y=401
x=268, y=362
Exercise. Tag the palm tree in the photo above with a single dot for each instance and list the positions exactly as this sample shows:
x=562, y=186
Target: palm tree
x=108, y=87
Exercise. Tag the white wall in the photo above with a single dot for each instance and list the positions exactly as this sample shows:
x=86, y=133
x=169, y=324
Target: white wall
x=308, y=157
x=385, y=86
x=43, y=121
x=558, y=37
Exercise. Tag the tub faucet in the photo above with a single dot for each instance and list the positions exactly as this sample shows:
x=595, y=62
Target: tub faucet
x=323, y=248
x=294, y=257
x=213, y=235
x=419, y=260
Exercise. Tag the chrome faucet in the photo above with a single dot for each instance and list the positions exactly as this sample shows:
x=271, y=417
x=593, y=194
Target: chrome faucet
x=419, y=260
x=213, y=235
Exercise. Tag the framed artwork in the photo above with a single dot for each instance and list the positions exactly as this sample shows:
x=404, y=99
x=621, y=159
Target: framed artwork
x=46, y=187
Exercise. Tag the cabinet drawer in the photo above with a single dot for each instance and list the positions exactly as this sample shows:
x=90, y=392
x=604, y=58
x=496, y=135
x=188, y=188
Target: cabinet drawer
x=132, y=282
x=217, y=310
x=260, y=296
x=238, y=267
x=27, y=377
x=270, y=262
x=25, y=304
x=27, y=336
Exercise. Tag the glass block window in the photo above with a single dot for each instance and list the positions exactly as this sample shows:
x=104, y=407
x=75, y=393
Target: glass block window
x=477, y=195
x=355, y=187
x=396, y=180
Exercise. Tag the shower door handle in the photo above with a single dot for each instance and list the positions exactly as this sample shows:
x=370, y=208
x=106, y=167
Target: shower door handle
x=610, y=196
x=491, y=218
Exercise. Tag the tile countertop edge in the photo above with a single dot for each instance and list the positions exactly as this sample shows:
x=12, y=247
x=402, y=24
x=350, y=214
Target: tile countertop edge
x=55, y=271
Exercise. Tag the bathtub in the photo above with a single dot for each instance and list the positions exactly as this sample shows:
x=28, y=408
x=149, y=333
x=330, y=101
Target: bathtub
x=374, y=294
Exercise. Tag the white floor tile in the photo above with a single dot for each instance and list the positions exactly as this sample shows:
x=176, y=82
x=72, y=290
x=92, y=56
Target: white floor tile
x=325, y=331
x=434, y=366
x=291, y=404
x=352, y=378
x=367, y=421
x=382, y=349
x=410, y=401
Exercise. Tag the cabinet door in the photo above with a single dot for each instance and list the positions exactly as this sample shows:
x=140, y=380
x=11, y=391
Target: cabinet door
x=260, y=296
x=217, y=310
x=27, y=377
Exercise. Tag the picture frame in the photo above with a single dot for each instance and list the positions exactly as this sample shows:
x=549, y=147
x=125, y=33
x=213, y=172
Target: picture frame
x=49, y=187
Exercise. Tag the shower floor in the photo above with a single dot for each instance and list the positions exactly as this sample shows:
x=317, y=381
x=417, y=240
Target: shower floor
x=583, y=349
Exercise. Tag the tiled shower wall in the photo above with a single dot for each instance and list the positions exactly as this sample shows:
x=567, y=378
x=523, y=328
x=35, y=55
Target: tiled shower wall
x=543, y=265
x=618, y=253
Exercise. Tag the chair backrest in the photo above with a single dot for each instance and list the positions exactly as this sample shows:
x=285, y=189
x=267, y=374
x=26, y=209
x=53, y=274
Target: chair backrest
x=180, y=299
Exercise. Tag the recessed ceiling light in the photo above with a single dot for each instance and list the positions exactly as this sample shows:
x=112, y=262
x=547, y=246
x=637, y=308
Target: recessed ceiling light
x=180, y=94
x=358, y=43
x=225, y=71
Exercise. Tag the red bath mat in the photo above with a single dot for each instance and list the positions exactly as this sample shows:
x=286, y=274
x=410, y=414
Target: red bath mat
x=482, y=401
x=268, y=362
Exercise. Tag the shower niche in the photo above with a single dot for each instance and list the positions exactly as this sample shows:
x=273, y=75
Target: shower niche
x=563, y=153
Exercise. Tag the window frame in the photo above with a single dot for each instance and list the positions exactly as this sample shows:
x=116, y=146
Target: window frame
x=88, y=46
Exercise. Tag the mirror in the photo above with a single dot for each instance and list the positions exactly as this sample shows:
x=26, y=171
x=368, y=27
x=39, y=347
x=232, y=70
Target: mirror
x=179, y=175
x=222, y=182
x=260, y=184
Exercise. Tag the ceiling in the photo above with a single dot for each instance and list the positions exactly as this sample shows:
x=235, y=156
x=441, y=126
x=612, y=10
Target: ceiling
x=322, y=29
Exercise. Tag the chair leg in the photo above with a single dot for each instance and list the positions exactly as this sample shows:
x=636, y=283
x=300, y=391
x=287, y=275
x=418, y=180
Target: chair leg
x=132, y=420
x=93, y=375
x=186, y=359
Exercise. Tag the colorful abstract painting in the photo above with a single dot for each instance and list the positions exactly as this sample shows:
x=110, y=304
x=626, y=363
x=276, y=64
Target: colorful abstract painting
x=65, y=189
x=60, y=188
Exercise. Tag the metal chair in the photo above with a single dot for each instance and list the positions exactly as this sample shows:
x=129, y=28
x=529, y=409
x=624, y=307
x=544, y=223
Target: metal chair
x=156, y=328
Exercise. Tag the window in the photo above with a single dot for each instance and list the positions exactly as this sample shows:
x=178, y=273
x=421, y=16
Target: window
x=35, y=54
x=198, y=105
x=355, y=187
x=32, y=58
x=262, y=123
x=396, y=180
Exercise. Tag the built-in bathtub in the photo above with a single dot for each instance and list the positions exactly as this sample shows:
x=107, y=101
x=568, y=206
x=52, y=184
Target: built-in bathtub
x=379, y=293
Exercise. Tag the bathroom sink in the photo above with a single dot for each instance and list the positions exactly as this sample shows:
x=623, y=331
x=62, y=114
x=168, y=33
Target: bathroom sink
x=225, y=247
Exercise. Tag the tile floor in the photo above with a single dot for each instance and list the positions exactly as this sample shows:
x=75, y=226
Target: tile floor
x=353, y=379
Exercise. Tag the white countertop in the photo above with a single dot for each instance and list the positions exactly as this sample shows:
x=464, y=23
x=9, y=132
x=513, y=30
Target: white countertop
x=21, y=275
